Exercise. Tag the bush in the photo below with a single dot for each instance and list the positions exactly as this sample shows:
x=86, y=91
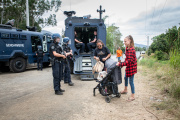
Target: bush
x=161, y=55
x=175, y=59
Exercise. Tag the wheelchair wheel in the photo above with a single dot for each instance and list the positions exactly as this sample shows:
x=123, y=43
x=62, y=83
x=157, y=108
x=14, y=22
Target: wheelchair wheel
x=108, y=99
x=118, y=95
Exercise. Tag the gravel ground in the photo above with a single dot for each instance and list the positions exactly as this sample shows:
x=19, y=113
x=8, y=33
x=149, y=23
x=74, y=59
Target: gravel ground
x=30, y=96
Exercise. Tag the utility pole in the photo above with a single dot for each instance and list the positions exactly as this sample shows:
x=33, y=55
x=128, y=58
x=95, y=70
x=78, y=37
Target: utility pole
x=27, y=13
x=147, y=44
x=113, y=42
x=2, y=12
x=178, y=34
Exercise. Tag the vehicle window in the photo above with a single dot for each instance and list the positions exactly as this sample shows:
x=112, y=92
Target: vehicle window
x=44, y=38
x=23, y=37
x=48, y=38
x=14, y=36
x=5, y=35
x=35, y=41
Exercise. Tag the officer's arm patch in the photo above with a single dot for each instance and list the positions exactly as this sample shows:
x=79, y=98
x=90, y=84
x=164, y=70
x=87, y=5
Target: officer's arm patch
x=52, y=47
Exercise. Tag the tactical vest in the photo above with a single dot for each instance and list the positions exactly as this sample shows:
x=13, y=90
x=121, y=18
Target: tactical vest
x=66, y=48
x=58, y=50
x=40, y=53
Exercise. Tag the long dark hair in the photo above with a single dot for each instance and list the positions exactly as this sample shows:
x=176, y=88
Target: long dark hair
x=100, y=41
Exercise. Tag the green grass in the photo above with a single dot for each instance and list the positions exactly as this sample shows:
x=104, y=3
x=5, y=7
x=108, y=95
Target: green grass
x=171, y=106
x=174, y=89
x=167, y=73
x=175, y=59
x=148, y=62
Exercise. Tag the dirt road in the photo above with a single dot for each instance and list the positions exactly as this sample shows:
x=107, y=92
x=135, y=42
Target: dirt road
x=30, y=96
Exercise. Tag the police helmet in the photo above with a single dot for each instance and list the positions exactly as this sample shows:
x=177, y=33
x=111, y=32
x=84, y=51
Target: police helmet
x=66, y=40
x=55, y=35
x=39, y=47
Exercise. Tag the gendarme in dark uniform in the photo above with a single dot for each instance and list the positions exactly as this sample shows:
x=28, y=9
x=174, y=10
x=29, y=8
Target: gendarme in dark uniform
x=67, y=72
x=40, y=55
x=92, y=42
x=56, y=61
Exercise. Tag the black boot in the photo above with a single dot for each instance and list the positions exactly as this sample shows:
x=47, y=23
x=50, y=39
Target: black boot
x=71, y=84
x=57, y=92
x=61, y=90
x=65, y=82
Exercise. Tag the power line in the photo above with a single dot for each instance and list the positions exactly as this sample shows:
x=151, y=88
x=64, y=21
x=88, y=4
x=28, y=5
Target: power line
x=61, y=10
x=161, y=13
x=153, y=12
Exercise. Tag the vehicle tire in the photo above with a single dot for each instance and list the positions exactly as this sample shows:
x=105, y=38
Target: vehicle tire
x=18, y=64
x=108, y=99
x=46, y=64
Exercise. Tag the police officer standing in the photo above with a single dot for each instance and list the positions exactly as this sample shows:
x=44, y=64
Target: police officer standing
x=56, y=61
x=68, y=51
x=39, y=55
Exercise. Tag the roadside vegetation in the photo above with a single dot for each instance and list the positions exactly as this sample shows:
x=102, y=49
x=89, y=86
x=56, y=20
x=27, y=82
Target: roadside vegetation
x=163, y=62
x=16, y=9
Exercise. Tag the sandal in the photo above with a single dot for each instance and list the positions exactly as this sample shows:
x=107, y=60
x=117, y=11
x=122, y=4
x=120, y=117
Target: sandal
x=122, y=92
x=130, y=99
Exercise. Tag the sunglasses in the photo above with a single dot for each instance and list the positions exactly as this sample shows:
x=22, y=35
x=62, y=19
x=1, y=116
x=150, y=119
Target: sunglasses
x=99, y=45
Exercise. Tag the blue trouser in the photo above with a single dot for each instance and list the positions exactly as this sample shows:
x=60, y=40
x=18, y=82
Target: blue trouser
x=40, y=61
x=67, y=73
x=82, y=47
x=119, y=58
x=57, y=75
x=89, y=45
x=131, y=82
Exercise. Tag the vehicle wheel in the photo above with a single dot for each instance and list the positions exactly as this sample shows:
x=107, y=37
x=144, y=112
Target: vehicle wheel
x=108, y=99
x=46, y=64
x=18, y=64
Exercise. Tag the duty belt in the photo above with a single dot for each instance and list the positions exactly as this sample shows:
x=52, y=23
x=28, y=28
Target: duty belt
x=58, y=61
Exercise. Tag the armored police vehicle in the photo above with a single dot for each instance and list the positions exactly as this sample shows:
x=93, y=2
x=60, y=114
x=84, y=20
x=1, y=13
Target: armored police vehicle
x=84, y=27
x=18, y=47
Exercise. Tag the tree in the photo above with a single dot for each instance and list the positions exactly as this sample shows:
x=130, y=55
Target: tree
x=37, y=8
x=172, y=37
x=164, y=43
x=113, y=38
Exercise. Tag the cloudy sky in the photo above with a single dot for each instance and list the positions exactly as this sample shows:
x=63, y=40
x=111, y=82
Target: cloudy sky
x=138, y=18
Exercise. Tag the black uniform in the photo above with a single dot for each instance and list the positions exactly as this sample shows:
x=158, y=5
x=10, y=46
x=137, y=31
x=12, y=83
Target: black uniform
x=40, y=58
x=57, y=66
x=67, y=72
x=90, y=44
x=82, y=45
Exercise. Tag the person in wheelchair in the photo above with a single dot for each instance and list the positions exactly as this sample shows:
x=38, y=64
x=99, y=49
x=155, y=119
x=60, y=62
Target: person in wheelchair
x=92, y=43
x=79, y=44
